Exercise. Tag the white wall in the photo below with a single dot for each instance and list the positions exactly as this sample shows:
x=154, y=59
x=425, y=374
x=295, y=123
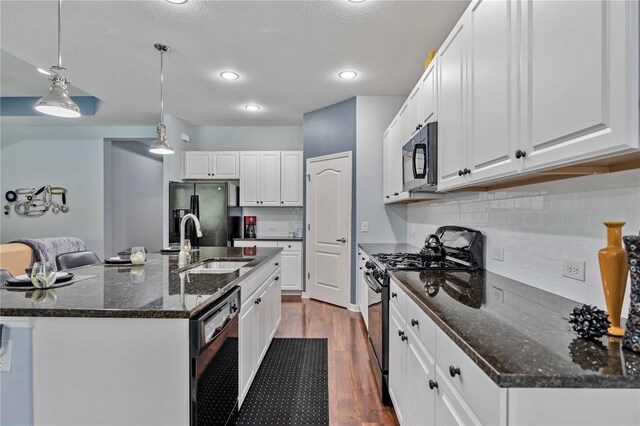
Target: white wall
x=136, y=205
x=387, y=223
x=246, y=138
x=71, y=157
x=541, y=225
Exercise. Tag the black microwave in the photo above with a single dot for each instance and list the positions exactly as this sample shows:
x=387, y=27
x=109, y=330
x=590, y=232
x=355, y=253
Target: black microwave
x=420, y=160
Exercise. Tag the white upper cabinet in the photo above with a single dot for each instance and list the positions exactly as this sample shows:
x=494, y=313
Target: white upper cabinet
x=452, y=117
x=386, y=143
x=580, y=80
x=210, y=165
x=492, y=89
x=270, y=178
x=399, y=135
x=250, y=178
x=429, y=97
x=415, y=110
x=291, y=178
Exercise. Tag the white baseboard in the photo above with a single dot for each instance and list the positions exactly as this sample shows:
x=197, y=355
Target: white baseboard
x=304, y=295
x=353, y=308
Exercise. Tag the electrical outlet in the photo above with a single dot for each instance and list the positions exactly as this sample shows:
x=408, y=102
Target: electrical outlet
x=364, y=227
x=573, y=269
x=498, y=254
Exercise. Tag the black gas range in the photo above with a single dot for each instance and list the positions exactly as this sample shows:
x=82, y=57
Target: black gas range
x=451, y=248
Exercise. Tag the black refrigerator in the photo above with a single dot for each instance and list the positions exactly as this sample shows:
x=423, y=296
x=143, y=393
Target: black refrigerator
x=215, y=205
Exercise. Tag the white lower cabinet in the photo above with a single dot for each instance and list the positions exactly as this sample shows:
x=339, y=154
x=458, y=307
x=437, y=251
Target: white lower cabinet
x=291, y=257
x=259, y=319
x=430, y=386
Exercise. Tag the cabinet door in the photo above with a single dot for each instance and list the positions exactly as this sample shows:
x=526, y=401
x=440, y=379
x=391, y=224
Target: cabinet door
x=492, y=89
x=429, y=95
x=363, y=289
x=578, y=82
x=249, y=178
x=197, y=165
x=386, y=143
x=291, y=270
x=420, y=400
x=276, y=303
x=397, y=357
x=291, y=179
x=399, y=138
x=449, y=410
x=226, y=165
x=247, y=348
x=263, y=325
x=415, y=109
x=452, y=140
x=269, y=178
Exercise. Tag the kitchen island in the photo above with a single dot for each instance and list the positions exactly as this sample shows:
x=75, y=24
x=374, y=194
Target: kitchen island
x=115, y=349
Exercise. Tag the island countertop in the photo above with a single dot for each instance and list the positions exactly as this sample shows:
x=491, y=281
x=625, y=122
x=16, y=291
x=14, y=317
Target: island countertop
x=157, y=289
x=517, y=334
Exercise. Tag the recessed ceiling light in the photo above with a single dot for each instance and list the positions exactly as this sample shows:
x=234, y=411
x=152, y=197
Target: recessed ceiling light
x=177, y=1
x=45, y=72
x=347, y=75
x=251, y=107
x=229, y=75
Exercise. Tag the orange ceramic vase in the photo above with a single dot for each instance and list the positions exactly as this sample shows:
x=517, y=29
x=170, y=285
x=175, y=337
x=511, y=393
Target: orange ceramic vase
x=614, y=270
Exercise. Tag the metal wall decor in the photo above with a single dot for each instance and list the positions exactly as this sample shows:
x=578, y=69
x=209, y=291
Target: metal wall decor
x=35, y=203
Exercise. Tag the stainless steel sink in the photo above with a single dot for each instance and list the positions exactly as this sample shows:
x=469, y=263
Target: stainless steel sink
x=221, y=267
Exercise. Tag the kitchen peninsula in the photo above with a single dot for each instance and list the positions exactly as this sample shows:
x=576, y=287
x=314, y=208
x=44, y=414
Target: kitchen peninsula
x=122, y=339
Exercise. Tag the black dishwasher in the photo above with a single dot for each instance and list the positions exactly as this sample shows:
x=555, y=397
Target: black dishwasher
x=214, y=362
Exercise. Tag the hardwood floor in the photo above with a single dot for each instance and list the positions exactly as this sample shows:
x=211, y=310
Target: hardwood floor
x=353, y=398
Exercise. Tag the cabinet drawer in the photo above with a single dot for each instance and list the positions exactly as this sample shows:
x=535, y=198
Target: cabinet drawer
x=474, y=386
x=422, y=326
x=450, y=409
x=252, y=243
x=249, y=286
x=397, y=297
x=290, y=245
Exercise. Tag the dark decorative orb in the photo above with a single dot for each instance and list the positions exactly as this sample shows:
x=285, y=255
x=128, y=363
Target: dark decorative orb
x=589, y=322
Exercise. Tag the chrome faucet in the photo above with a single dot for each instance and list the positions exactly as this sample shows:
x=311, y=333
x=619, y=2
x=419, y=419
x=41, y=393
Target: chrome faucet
x=183, y=254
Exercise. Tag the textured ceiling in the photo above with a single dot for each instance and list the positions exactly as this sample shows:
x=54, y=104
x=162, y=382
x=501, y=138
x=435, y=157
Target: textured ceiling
x=288, y=54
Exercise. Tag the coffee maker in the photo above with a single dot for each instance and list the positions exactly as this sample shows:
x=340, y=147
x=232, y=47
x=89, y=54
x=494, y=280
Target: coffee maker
x=250, y=226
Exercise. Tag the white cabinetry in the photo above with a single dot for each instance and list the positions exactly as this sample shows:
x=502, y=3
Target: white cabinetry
x=259, y=320
x=363, y=288
x=429, y=100
x=291, y=258
x=271, y=178
x=210, y=165
x=580, y=80
x=291, y=179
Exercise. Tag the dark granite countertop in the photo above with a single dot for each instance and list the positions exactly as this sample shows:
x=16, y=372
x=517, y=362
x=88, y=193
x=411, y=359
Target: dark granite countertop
x=269, y=239
x=158, y=289
x=517, y=334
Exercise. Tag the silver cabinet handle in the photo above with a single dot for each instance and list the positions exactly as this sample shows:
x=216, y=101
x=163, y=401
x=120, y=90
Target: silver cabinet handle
x=342, y=240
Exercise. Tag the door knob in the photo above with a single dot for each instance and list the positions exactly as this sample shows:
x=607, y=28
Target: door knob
x=520, y=154
x=433, y=384
x=342, y=240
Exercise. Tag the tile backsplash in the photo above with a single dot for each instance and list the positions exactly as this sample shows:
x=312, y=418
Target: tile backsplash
x=275, y=221
x=541, y=225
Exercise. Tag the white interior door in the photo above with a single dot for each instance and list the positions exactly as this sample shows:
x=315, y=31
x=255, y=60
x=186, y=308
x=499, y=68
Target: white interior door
x=329, y=231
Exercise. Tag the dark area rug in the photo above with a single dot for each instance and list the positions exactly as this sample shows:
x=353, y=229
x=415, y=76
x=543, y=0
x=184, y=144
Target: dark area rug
x=291, y=386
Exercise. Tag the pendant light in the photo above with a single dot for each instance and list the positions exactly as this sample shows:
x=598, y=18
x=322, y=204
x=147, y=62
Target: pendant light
x=161, y=146
x=57, y=102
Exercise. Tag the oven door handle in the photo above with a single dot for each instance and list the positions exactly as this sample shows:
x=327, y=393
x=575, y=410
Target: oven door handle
x=373, y=285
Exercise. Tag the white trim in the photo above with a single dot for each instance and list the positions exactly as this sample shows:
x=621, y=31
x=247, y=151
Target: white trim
x=304, y=295
x=329, y=157
x=353, y=307
x=17, y=322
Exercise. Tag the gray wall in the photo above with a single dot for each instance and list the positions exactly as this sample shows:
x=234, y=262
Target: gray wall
x=247, y=138
x=135, y=209
x=328, y=131
x=387, y=223
x=72, y=157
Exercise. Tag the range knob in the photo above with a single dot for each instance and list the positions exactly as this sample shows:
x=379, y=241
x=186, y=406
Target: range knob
x=378, y=275
x=369, y=264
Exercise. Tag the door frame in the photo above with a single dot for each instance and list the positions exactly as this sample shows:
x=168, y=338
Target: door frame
x=349, y=244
